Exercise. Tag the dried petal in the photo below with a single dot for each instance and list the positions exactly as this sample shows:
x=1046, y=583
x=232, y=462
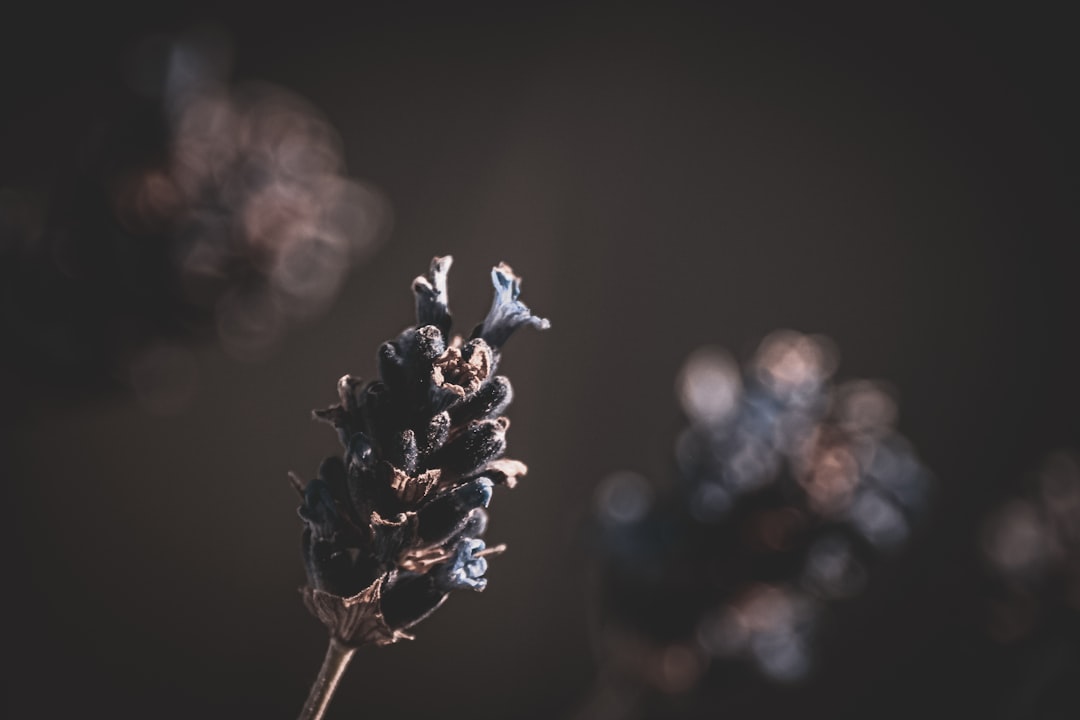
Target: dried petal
x=507, y=313
x=432, y=297
x=466, y=568
x=413, y=490
x=461, y=371
x=502, y=472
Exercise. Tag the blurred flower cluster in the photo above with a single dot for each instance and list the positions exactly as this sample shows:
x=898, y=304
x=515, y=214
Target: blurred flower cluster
x=1031, y=546
x=396, y=525
x=788, y=489
x=266, y=226
x=199, y=208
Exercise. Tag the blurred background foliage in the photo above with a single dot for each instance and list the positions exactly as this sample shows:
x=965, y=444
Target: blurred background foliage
x=211, y=211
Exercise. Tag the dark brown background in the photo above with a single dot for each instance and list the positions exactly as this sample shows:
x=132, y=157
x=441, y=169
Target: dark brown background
x=900, y=180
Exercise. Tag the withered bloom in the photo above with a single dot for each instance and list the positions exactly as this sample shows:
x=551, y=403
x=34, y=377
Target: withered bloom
x=396, y=524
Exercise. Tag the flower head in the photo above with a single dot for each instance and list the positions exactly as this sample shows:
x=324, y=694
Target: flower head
x=393, y=526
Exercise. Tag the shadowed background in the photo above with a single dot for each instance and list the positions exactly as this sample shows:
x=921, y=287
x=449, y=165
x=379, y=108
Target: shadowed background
x=662, y=178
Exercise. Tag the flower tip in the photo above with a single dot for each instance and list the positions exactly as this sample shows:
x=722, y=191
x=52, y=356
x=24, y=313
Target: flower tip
x=349, y=388
x=485, y=491
x=297, y=482
x=435, y=279
x=432, y=296
x=504, y=280
x=507, y=312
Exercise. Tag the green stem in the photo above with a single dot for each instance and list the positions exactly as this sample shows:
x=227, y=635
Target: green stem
x=333, y=667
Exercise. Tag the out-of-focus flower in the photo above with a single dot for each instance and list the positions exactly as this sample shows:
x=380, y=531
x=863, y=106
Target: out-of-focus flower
x=394, y=526
x=266, y=225
x=197, y=207
x=788, y=489
x=1031, y=545
x=1030, y=599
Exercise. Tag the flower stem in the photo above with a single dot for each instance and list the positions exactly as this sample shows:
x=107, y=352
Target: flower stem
x=333, y=667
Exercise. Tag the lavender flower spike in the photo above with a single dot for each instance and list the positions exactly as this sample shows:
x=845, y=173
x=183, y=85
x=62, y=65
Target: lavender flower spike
x=393, y=527
x=507, y=313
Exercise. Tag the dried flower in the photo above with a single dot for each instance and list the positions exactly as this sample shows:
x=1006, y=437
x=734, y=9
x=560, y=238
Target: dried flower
x=396, y=525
